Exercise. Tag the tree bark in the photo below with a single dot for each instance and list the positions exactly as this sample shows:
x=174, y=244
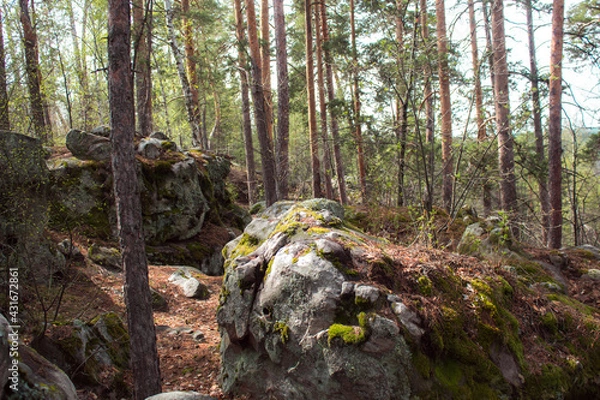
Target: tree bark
x=246, y=121
x=428, y=92
x=537, y=125
x=554, y=126
x=312, y=109
x=4, y=117
x=34, y=84
x=190, y=64
x=445, y=107
x=193, y=116
x=401, y=106
x=144, y=355
x=266, y=145
x=142, y=37
x=479, y=110
x=358, y=137
x=327, y=166
x=283, y=102
x=508, y=188
x=81, y=69
x=337, y=152
x=265, y=58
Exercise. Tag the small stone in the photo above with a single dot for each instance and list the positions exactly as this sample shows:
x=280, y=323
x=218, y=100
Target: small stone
x=67, y=248
x=368, y=293
x=347, y=289
x=408, y=318
x=198, y=336
x=593, y=274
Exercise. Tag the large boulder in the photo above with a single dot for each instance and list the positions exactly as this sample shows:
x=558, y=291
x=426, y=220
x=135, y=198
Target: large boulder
x=88, y=146
x=23, y=183
x=293, y=325
x=26, y=374
x=178, y=192
x=23, y=208
x=94, y=353
x=313, y=309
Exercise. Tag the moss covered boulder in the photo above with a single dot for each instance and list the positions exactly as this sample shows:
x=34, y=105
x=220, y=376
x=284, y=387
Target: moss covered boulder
x=312, y=308
x=179, y=192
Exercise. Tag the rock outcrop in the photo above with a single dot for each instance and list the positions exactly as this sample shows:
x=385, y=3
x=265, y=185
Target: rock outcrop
x=180, y=192
x=311, y=308
x=294, y=325
x=33, y=376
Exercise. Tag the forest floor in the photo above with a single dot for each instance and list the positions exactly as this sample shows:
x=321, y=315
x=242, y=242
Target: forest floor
x=190, y=365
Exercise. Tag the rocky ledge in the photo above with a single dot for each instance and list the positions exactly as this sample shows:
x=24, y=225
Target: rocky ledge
x=311, y=308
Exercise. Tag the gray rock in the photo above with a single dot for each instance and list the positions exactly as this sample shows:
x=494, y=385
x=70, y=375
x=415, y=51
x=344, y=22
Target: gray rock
x=24, y=180
x=366, y=293
x=589, y=248
x=173, y=204
x=189, y=285
x=593, y=274
x=88, y=146
x=101, y=130
x=150, y=148
x=279, y=304
x=159, y=135
x=68, y=249
x=37, y=378
x=107, y=257
x=180, y=396
x=408, y=318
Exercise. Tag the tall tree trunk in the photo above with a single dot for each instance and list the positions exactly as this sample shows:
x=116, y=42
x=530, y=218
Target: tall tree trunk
x=506, y=163
x=193, y=116
x=190, y=64
x=488, y=43
x=429, y=109
x=142, y=34
x=554, y=127
x=358, y=137
x=401, y=105
x=312, y=108
x=4, y=117
x=247, y=123
x=337, y=152
x=144, y=356
x=283, y=102
x=81, y=69
x=265, y=58
x=428, y=92
x=34, y=83
x=537, y=124
x=445, y=107
x=479, y=111
x=327, y=166
x=258, y=97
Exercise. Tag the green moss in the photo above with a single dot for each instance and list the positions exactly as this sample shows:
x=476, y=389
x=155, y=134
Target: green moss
x=550, y=323
x=422, y=364
x=246, y=245
x=318, y=230
x=576, y=305
x=551, y=383
x=449, y=375
x=425, y=286
x=283, y=329
x=349, y=334
x=531, y=272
